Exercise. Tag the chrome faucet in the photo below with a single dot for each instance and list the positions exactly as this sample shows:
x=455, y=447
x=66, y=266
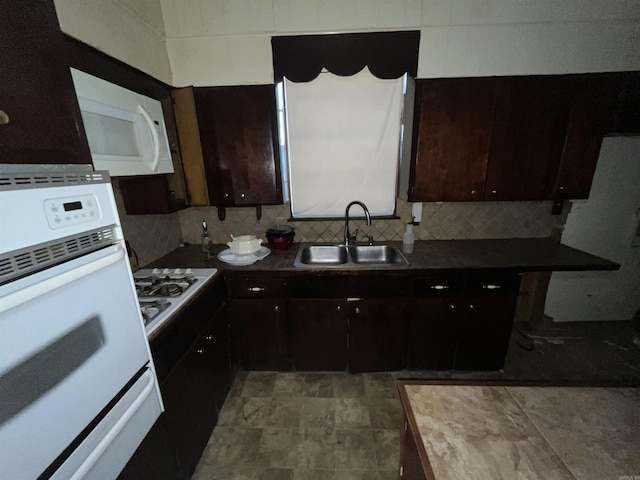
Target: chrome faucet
x=348, y=238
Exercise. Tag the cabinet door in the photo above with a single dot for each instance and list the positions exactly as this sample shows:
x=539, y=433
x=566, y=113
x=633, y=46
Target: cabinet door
x=527, y=138
x=377, y=335
x=432, y=333
x=188, y=394
x=238, y=133
x=593, y=99
x=217, y=342
x=318, y=334
x=155, y=457
x=259, y=333
x=42, y=121
x=484, y=332
x=451, y=142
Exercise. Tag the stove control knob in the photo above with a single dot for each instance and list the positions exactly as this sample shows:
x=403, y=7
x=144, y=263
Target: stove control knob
x=188, y=271
x=155, y=271
x=165, y=271
x=178, y=271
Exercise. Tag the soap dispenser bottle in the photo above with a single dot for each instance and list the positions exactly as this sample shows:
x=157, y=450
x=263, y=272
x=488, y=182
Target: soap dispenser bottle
x=408, y=238
x=206, y=242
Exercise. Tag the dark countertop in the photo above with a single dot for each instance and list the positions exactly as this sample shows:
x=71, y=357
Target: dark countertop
x=513, y=255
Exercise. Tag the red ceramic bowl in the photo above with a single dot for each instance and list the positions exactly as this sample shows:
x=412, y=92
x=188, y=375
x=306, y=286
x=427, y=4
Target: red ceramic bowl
x=280, y=243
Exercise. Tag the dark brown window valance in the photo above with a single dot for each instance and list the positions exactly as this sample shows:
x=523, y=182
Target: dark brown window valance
x=388, y=55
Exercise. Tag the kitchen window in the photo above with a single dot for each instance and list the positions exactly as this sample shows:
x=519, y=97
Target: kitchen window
x=341, y=102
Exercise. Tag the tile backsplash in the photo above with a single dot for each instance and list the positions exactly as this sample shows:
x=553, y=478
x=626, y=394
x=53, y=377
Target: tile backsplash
x=150, y=236
x=440, y=221
x=153, y=236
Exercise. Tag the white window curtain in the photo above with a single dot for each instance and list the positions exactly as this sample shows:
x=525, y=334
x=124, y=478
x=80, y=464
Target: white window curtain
x=343, y=143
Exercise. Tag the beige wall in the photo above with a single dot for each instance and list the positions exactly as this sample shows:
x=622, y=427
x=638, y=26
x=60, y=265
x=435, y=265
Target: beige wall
x=226, y=42
x=130, y=30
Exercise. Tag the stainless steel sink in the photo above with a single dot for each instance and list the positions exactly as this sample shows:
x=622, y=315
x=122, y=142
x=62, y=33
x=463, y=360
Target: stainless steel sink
x=323, y=255
x=342, y=256
x=376, y=255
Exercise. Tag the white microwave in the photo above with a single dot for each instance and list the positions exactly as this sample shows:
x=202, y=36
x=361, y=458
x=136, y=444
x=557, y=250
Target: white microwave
x=125, y=130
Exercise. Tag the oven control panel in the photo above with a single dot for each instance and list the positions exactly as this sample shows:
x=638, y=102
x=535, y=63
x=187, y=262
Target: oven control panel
x=67, y=211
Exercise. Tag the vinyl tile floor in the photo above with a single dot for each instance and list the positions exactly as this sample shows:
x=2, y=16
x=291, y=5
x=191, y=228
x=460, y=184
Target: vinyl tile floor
x=306, y=426
x=339, y=426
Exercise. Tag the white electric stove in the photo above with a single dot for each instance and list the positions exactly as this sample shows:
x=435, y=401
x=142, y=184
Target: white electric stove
x=162, y=291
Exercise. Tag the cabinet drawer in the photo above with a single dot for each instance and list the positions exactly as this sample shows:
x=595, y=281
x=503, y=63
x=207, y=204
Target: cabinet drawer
x=256, y=286
x=437, y=286
x=492, y=285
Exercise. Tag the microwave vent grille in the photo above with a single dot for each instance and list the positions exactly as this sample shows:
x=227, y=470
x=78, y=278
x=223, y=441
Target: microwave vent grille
x=20, y=181
x=27, y=261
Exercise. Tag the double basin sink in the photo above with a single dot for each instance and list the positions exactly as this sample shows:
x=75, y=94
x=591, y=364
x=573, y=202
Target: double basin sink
x=343, y=256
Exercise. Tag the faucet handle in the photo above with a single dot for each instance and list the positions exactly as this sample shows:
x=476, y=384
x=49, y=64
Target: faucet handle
x=353, y=238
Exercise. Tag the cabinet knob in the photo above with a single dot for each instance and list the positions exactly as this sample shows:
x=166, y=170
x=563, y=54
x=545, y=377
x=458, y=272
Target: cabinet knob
x=560, y=187
x=4, y=118
x=339, y=309
x=452, y=307
x=276, y=308
x=208, y=338
x=471, y=306
x=491, y=286
x=226, y=195
x=473, y=192
x=256, y=289
x=493, y=192
x=242, y=195
x=200, y=351
x=357, y=311
x=439, y=287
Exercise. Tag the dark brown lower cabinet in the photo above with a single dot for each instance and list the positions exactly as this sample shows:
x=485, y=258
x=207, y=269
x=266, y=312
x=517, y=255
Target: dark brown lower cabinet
x=192, y=361
x=411, y=467
x=318, y=329
x=259, y=332
x=377, y=335
x=465, y=324
x=483, y=332
x=155, y=458
x=432, y=334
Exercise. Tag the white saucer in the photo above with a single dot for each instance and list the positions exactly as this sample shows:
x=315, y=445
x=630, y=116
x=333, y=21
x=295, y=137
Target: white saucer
x=240, y=260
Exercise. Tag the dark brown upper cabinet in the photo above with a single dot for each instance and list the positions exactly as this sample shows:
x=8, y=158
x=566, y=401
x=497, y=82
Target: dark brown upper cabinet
x=239, y=139
x=593, y=101
x=40, y=119
x=513, y=138
x=527, y=137
x=452, y=126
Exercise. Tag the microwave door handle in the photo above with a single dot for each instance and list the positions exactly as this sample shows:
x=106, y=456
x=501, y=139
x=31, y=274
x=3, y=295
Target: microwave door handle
x=154, y=137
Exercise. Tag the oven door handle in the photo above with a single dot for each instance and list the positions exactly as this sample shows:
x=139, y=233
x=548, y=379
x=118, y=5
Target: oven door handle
x=27, y=294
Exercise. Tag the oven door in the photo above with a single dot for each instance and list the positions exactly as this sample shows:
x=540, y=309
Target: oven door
x=72, y=346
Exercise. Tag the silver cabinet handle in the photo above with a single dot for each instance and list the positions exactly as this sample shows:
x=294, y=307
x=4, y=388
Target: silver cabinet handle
x=256, y=289
x=439, y=287
x=4, y=118
x=491, y=286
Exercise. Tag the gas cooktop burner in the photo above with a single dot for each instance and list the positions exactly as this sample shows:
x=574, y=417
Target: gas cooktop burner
x=161, y=292
x=152, y=308
x=164, y=284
